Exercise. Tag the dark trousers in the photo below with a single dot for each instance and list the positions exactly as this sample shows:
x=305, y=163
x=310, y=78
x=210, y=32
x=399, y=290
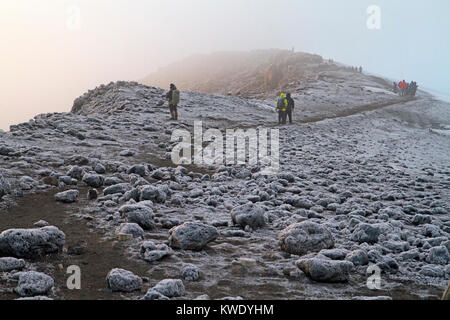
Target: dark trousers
x=173, y=111
x=289, y=114
x=282, y=117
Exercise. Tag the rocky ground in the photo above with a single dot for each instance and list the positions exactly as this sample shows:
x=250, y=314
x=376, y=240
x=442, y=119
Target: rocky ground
x=363, y=182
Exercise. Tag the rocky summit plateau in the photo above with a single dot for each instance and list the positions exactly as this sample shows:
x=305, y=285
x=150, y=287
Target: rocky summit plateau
x=363, y=191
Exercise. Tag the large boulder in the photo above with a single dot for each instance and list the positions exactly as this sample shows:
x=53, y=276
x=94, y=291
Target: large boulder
x=251, y=215
x=305, y=237
x=170, y=288
x=33, y=283
x=322, y=270
x=9, y=264
x=120, y=280
x=31, y=243
x=140, y=214
x=69, y=196
x=93, y=180
x=192, y=236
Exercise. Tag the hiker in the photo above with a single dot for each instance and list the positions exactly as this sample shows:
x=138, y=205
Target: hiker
x=402, y=85
x=395, y=85
x=173, y=96
x=360, y=69
x=290, y=107
x=414, y=88
x=282, y=107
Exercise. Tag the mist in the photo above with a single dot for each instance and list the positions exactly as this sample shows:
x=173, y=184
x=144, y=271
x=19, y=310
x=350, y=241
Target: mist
x=53, y=51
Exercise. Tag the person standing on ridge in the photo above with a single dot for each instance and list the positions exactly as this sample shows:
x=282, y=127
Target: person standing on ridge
x=282, y=107
x=173, y=96
x=290, y=107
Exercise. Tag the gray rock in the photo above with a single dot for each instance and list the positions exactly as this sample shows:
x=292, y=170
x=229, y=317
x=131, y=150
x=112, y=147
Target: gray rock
x=31, y=243
x=326, y=270
x=151, y=252
x=153, y=193
x=366, y=233
x=438, y=255
x=140, y=214
x=4, y=186
x=131, y=228
x=120, y=280
x=93, y=180
x=33, y=283
x=138, y=169
x=358, y=258
x=9, y=264
x=190, y=272
x=69, y=196
x=154, y=295
x=251, y=215
x=170, y=288
x=75, y=172
x=92, y=194
x=305, y=237
x=41, y=224
x=335, y=254
x=192, y=236
x=432, y=271
x=100, y=169
x=120, y=188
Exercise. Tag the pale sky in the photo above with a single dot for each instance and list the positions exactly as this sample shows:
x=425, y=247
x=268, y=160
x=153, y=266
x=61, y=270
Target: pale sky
x=49, y=57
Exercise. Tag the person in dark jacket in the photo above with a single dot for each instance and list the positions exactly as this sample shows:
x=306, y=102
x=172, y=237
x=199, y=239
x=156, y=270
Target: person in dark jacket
x=290, y=107
x=173, y=107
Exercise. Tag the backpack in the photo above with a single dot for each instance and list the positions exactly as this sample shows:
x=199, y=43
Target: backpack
x=281, y=103
x=175, y=97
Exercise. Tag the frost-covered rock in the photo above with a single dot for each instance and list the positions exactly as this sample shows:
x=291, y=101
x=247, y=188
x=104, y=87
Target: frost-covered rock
x=69, y=196
x=192, y=236
x=140, y=214
x=170, y=288
x=93, y=180
x=305, y=237
x=120, y=188
x=31, y=243
x=151, y=252
x=190, y=272
x=438, y=255
x=251, y=215
x=120, y=280
x=33, y=283
x=132, y=229
x=8, y=264
x=154, y=295
x=325, y=270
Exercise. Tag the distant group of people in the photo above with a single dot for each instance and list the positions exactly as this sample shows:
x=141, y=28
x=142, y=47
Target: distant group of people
x=285, y=108
x=406, y=89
